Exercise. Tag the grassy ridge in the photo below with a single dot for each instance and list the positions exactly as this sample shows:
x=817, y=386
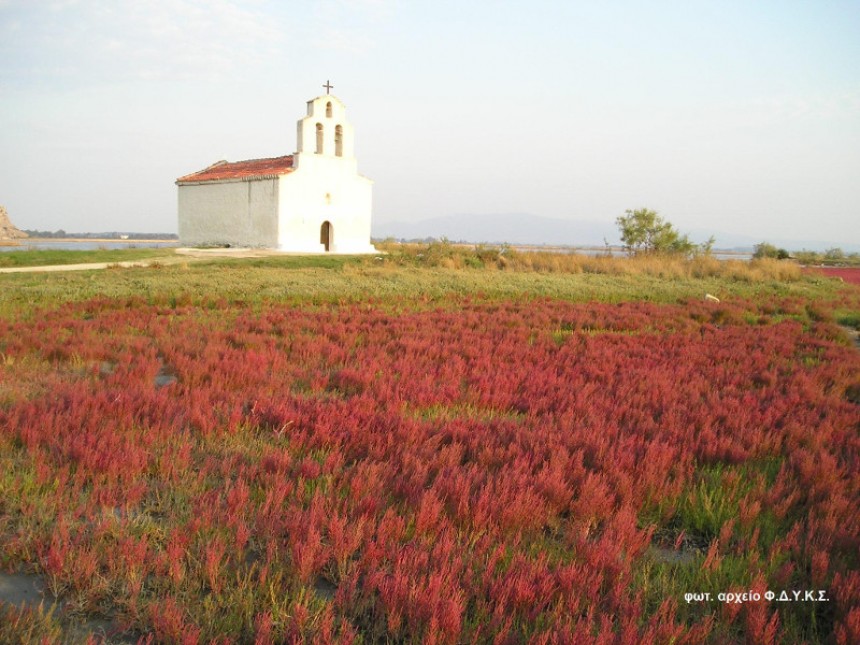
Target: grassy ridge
x=423, y=273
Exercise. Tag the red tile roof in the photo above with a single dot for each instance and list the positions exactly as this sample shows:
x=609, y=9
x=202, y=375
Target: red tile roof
x=250, y=169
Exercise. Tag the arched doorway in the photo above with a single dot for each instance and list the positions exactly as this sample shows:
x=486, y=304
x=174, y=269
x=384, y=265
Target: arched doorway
x=326, y=235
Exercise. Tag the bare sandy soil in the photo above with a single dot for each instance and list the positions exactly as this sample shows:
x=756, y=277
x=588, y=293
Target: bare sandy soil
x=237, y=252
x=27, y=590
x=89, y=266
x=21, y=590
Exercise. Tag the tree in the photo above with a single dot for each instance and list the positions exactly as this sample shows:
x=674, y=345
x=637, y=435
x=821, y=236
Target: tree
x=834, y=254
x=765, y=250
x=643, y=231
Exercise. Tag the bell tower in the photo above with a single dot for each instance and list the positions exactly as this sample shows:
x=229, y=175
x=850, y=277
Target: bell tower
x=325, y=204
x=325, y=131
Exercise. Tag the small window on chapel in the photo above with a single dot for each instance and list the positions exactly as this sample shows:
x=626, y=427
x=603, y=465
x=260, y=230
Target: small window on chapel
x=319, y=138
x=328, y=109
x=338, y=141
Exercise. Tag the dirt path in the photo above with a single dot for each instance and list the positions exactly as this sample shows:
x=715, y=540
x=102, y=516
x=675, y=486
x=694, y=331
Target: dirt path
x=89, y=266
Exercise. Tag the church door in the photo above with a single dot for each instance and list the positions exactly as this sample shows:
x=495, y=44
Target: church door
x=326, y=235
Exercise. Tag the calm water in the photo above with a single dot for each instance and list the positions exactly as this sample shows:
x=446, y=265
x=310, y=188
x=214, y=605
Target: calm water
x=46, y=245
x=619, y=253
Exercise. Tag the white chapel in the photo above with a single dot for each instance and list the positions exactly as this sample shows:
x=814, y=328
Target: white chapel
x=313, y=201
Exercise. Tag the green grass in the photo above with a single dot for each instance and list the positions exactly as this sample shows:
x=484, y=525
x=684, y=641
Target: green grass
x=34, y=258
x=847, y=318
x=289, y=261
x=705, y=507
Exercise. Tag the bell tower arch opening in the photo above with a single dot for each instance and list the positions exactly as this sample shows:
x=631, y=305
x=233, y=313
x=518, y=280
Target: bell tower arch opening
x=320, y=138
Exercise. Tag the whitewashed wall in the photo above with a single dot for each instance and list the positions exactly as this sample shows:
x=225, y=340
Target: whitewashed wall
x=239, y=213
x=324, y=189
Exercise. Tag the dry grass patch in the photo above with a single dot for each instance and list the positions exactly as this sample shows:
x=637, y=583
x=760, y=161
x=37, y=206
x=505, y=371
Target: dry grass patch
x=461, y=256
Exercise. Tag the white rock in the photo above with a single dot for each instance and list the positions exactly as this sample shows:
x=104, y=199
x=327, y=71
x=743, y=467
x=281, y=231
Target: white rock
x=7, y=229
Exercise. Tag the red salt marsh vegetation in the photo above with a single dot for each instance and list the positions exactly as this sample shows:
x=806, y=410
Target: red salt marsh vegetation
x=454, y=469
x=850, y=275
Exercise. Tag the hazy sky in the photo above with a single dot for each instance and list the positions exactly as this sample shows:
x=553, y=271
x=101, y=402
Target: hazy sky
x=734, y=116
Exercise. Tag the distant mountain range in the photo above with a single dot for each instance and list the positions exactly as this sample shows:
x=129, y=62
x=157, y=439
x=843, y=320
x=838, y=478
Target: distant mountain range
x=522, y=228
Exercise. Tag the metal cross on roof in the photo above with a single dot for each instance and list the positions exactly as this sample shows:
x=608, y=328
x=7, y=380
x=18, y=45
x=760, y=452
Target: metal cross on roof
x=328, y=87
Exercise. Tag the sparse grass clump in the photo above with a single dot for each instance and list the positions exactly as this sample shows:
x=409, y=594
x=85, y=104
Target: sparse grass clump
x=28, y=625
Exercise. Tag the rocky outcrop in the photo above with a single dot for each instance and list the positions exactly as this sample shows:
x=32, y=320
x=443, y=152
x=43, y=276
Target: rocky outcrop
x=7, y=229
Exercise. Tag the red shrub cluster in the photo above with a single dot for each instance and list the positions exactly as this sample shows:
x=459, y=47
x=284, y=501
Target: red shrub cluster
x=851, y=275
x=484, y=471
